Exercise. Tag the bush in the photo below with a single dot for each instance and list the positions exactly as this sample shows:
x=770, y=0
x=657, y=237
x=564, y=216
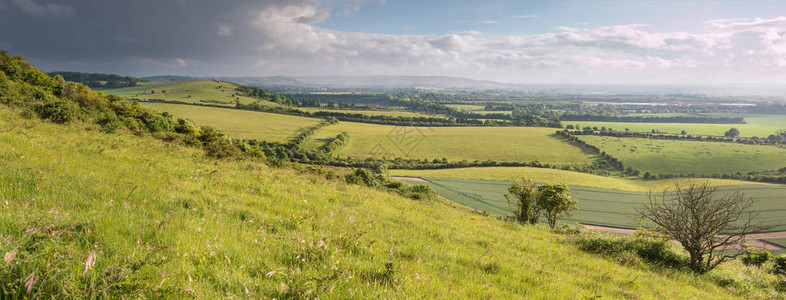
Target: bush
x=364, y=177
x=755, y=257
x=418, y=192
x=58, y=111
x=779, y=264
x=644, y=244
x=109, y=123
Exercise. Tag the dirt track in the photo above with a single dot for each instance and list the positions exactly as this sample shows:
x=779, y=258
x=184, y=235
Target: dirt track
x=754, y=240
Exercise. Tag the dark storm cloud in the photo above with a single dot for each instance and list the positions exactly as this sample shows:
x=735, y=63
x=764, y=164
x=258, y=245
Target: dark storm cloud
x=140, y=34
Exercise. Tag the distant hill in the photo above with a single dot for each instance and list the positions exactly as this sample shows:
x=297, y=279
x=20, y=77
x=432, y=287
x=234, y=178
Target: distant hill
x=353, y=82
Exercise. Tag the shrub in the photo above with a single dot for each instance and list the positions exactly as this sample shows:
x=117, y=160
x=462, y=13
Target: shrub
x=109, y=123
x=58, y=111
x=755, y=257
x=647, y=245
x=779, y=264
x=364, y=177
x=418, y=192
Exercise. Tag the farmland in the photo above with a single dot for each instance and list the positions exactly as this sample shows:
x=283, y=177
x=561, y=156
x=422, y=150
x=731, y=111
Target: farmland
x=599, y=206
x=239, y=123
x=558, y=176
x=757, y=125
x=457, y=143
x=391, y=113
x=142, y=208
x=197, y=91
x=690, y=157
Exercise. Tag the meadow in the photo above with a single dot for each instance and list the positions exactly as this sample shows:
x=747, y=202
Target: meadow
x=391, y=113
x=239, y=123
x=757, y=125
x=197, y=91
x=93, y=215
x=456, y=143
x=598, y=206
x=560, y=176
x=690, y=157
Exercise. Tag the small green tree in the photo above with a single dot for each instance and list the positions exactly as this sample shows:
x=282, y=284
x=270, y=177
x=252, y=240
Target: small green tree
x=732, y=133
x=554, y=200
x=522, y=200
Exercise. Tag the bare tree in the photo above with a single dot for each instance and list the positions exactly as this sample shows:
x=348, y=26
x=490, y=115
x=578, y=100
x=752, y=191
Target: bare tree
x=707, y=225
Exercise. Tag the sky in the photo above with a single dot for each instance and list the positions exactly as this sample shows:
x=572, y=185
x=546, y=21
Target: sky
x=568, y=42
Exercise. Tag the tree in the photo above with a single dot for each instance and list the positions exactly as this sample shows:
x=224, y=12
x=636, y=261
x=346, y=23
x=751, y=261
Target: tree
x=524, y=206
x=732, y=133
x=704, y=223
x=684, y=132
x=554, y=200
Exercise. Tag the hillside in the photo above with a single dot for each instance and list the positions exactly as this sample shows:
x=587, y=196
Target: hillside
x=199, y=92
x=105, y=199
x=160, y=219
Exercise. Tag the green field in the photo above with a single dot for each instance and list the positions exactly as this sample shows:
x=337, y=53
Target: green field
x=120, y=216
x=690, y=157
x=757, y=125
x=239, y=123
x=466, y=107
x=456, y=143
x=600, y=206
x=558, y=176
x=198, y=91
x=779, y=242
x=391, y=113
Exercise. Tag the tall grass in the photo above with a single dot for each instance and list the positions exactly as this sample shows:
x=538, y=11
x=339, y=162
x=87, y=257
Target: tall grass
x=89, y=215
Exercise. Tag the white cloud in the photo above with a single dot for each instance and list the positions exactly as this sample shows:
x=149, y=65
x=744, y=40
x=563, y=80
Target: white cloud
x=224, y=30
x=181, y=62
x=46, y=10
x=526, y=16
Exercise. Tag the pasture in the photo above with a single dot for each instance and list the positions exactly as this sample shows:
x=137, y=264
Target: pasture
x=757, y=125
x=599, y=206
x=197, y=91
x=690, y=157
x=559, y=176
x=239, y=123
x=456, y=143
x=390, y=113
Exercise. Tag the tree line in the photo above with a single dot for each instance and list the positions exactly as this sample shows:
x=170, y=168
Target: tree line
x=98, y=80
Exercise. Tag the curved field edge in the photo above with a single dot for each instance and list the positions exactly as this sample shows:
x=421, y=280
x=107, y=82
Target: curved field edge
x=598, y=206
x=91, y=215
x=562, y=176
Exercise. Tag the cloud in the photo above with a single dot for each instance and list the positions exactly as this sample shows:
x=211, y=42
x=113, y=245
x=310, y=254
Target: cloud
x=181, y=62
x=317, y=17
x=46, y=10
x=526, y=16
x=278, y=37
x=224, y=30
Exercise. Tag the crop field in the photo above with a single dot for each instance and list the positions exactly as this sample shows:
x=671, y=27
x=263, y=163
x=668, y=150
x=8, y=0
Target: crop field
x=757, y=125
x=392, y=113
x=466, y=107
x=239, y=123
x=779, y=242
x=598, y=206
x=559, y=176
x=198, y=91
x=456, y=143
x=690, y=157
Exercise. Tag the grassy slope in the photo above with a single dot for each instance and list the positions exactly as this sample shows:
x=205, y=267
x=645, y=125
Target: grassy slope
x=758, y=125
x=690, y=157
x=163, y=220
x=239, y=123
x=199, y=90
x=456, y=143
x=558, y=176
